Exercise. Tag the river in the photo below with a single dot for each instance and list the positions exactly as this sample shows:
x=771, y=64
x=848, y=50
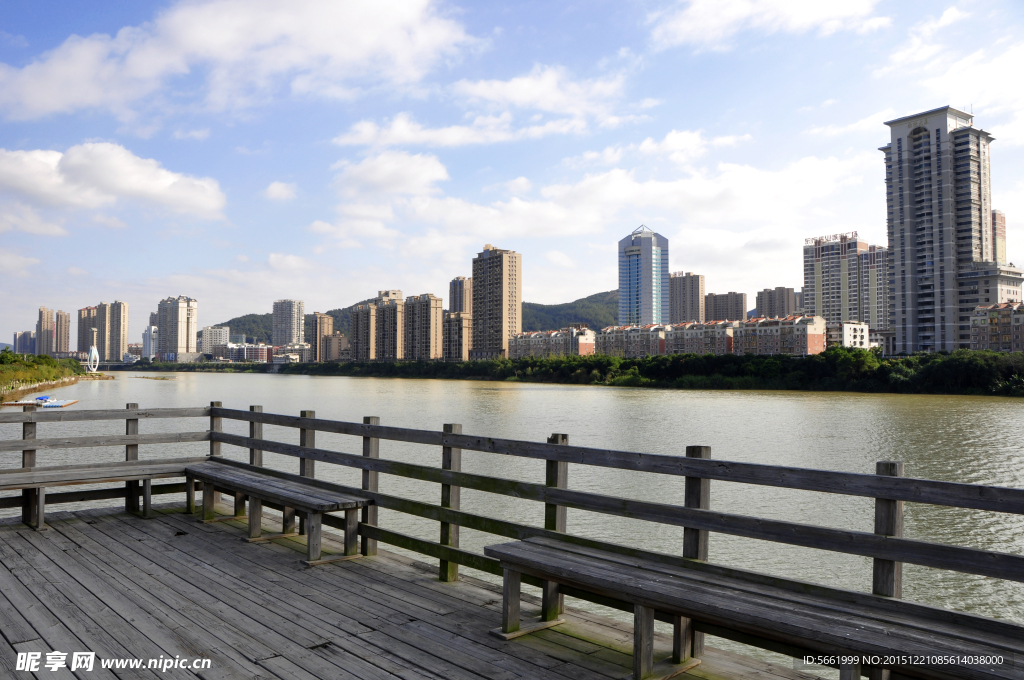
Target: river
x=963, y=439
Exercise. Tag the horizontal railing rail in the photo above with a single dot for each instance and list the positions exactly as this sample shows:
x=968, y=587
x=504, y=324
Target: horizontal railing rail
x=973, y=496
x=103, y=440
x=62, y=416
x=942, y=556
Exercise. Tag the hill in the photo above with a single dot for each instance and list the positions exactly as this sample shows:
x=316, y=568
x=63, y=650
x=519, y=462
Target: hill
x=598, y=310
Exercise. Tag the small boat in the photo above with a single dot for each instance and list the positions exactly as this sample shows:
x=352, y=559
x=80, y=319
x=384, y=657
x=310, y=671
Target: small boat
x=42, y=402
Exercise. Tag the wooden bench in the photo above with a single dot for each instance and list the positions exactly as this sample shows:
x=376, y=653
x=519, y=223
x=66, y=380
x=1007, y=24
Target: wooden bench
x=37, y=479
x=819, y=620
x=249, y=481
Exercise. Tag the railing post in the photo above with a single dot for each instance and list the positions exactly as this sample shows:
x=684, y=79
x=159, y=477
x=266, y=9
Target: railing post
x=371, y=449
x=556, y=476
x=131, y=452
x=887, y=575
x=216, y=425
x=451, y=459
x=28, y=460
x=256, y=432
x=686, y=641
x=307, y=438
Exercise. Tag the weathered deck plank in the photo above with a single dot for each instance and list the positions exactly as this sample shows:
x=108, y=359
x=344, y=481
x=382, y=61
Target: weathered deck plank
x=105, y=581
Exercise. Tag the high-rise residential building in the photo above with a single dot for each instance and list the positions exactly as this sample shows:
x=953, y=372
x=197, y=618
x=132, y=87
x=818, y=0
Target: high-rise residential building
x=363, y=324
x=497, y=301
x=289, y=322
x=323, y=327
x=335, y=347
x=643, y=279
x=86, y=322
x=460, y=294
x=44, y=331
x=686, y=297
x=390, y=330
x=214, y=336
x=112, y=330
x=25, y=342
x=999, y=237
x=939, y=219
x=179, y=321
x=725, y=306
x=423, y=320
x=777, y=303
x=150, y=342
x=62, y=332
x=154, y=318
x=845, y=279
x=457, y=340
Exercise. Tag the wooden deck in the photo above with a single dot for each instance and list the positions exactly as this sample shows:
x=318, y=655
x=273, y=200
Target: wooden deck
x=109, y=582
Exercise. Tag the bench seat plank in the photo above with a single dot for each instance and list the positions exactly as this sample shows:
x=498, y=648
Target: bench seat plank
x=66, y=475
x=773, y=613
x=286, y=492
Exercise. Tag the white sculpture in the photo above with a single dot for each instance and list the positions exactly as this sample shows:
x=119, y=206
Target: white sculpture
x=93, y=362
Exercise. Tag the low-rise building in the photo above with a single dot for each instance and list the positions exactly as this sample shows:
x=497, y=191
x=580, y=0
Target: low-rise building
x=998, y=327
x=303, y=350
x=848, y=334
x=631, y=342
x=571, y=341
x=335, y=347
x=456, y=336
x=710, y=337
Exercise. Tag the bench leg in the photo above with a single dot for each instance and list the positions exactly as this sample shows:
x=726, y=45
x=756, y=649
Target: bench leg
x=510, y=591
x=239, y=505
x=190, y=496
x=255, y=517
x=552, y=602
x=313, y=535
x=40, y=509
x=147, y=498
x=643, y=642
x=849, y=672
x=131, y=498
x=288, y=520
x=352, y=531
x=209, y=499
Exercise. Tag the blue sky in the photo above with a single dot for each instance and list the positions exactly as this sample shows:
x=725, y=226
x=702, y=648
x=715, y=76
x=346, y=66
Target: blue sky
x=241, y=151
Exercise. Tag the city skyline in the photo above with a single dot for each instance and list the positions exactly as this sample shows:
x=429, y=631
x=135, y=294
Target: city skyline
x=550, y=141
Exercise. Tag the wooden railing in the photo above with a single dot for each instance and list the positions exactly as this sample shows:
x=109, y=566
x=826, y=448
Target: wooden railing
x=890, y=489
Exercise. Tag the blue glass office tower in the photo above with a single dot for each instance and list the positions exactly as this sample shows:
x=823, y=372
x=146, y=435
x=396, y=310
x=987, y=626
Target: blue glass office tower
x=643, y=278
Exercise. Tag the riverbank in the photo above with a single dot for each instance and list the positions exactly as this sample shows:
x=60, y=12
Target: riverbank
x=23, y=374
x=839, y=369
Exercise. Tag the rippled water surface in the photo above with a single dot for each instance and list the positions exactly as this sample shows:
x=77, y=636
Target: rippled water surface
x=965, y=439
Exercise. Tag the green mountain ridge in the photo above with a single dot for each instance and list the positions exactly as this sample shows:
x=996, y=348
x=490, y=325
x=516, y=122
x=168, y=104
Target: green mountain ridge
x=598, y=310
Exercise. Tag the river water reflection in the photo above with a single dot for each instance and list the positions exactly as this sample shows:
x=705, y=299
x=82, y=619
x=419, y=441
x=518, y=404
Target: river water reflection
x=965, y=439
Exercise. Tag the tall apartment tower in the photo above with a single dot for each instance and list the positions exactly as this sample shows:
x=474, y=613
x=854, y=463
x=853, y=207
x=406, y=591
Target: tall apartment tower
x=112, y=330
x=86, y=322
x=845, y=279
x=363, y=325
x=497, y=301
x=643, y=278
x=457, y=340
x=214, y=336
x=24, y=342
x=940, y=222
x=390, y=330
x=323, y=326
x=725, y=306
x=289, y=322
x=686, y=297
x=423, y=320
x=460, y=294
x=999, y=237
x=150, y=340
x=178, y=324
x=62, y=332
x=44, y=331
x=776, y=303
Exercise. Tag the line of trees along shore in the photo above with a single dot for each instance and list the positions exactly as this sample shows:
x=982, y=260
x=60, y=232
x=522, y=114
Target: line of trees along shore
x=18, y=371
x=836, y=369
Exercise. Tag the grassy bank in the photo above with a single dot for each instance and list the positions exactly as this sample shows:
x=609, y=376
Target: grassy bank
x=838, y=369
x=18, y=372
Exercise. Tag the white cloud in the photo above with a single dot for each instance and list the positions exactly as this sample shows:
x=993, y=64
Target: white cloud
x=95, y=175
x=392, y=172
x=872, y=124
x=108, y=221
x=712, y=23
x=247, y=50
x=559, y=259
x=16, y=265
x=192, y=134
x=280, y=191
x=77, y=271
x=288, y=263
x=684, y=146
x=920, y=46
x=242, y=258
x=19, y=217
x=402, y=130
